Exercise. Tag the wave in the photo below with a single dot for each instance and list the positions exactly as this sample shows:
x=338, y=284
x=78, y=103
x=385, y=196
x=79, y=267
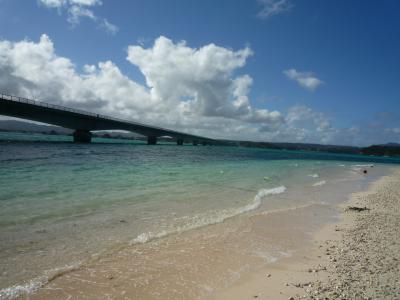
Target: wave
x=365, y=165
x=16, y=291
x=359, y=168
x=319, y=183
x=313, y=175
x=209, y=218
x=19, y=290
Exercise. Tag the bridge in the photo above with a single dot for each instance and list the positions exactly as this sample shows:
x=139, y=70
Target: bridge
x=83, y=122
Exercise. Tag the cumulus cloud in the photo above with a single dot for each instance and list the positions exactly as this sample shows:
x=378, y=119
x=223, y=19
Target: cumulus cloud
x=307, y=124
x=273, y=7
x=186, y=88
x=78, y=9
x=306, y=80
x=199, y=82
x=196, y=90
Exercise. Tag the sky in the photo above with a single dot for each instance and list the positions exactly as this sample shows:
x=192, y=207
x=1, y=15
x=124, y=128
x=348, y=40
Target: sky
x=313, y=71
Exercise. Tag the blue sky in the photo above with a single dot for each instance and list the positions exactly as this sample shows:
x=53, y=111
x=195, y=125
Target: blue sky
x=315, y=71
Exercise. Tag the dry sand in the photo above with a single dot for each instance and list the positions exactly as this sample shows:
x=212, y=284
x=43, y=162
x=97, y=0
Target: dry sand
x=357, y=258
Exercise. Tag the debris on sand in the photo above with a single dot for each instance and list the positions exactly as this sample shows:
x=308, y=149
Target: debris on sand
x=356, y=208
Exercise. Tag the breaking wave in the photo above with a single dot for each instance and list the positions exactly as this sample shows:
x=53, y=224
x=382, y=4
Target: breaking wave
x=209, y=218
x=19, y=290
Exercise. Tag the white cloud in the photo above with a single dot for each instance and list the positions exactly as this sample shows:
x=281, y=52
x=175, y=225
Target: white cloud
x=310, y=125
x=75, y=13
x=188, y=89
x=203, y=77
x=85, y=2
x=53, y=3
x=304, y=79
x=273, y=7
x=61, y=3
x=78, y=9
x=108, y=27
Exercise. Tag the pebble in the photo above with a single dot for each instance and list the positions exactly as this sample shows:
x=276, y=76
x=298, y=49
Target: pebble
x=364, y=265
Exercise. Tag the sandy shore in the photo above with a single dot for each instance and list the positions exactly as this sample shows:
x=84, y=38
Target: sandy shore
x=282, y=254
x=356, y=258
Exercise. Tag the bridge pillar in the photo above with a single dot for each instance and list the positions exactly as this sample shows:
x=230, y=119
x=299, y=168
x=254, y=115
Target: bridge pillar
x=195, y=143
x=204, y=143
x=179, y=142
x=151, y=140
x=82, y=136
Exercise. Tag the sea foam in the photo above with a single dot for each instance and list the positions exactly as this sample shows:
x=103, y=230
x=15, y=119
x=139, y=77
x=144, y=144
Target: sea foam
x=319, y=183
x=313, y=175
x=16, y=291
x=209, y=218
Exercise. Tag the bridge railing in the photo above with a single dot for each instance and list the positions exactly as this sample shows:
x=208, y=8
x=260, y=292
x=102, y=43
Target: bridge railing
x=74, y=110
x=45, y=104
x=83, y=112
x=60, y=107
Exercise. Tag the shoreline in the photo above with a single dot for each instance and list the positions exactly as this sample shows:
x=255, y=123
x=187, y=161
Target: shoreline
x=335, y=265
x=252, y=252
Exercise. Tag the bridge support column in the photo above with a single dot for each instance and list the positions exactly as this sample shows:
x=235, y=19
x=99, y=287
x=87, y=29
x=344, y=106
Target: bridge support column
x=151, y=140
x=82, y=136
x=179, y=142
x=204, y=143
x=195, y=143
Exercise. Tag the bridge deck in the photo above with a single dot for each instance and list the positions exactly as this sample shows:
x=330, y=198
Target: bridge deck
x=81, y=120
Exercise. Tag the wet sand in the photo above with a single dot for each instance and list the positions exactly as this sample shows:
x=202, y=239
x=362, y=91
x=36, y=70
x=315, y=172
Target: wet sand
x=191, y=265
x=355, y=258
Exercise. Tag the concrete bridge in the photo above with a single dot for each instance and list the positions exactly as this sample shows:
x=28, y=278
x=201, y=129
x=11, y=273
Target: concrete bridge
x=84, y=122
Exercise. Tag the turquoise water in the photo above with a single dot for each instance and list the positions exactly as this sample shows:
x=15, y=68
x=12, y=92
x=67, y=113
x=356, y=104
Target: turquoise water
x=61, y=203
x=41, y=182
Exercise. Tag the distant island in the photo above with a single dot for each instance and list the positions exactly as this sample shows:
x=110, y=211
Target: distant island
x=390, y=149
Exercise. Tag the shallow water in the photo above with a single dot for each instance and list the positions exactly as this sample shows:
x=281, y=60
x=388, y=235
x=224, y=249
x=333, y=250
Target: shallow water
x=64, y=205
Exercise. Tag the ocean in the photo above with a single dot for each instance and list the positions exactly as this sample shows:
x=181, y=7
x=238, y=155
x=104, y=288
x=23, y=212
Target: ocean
x=66, y=207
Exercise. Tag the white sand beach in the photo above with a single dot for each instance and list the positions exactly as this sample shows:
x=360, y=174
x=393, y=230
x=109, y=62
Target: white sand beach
x=356, y=258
